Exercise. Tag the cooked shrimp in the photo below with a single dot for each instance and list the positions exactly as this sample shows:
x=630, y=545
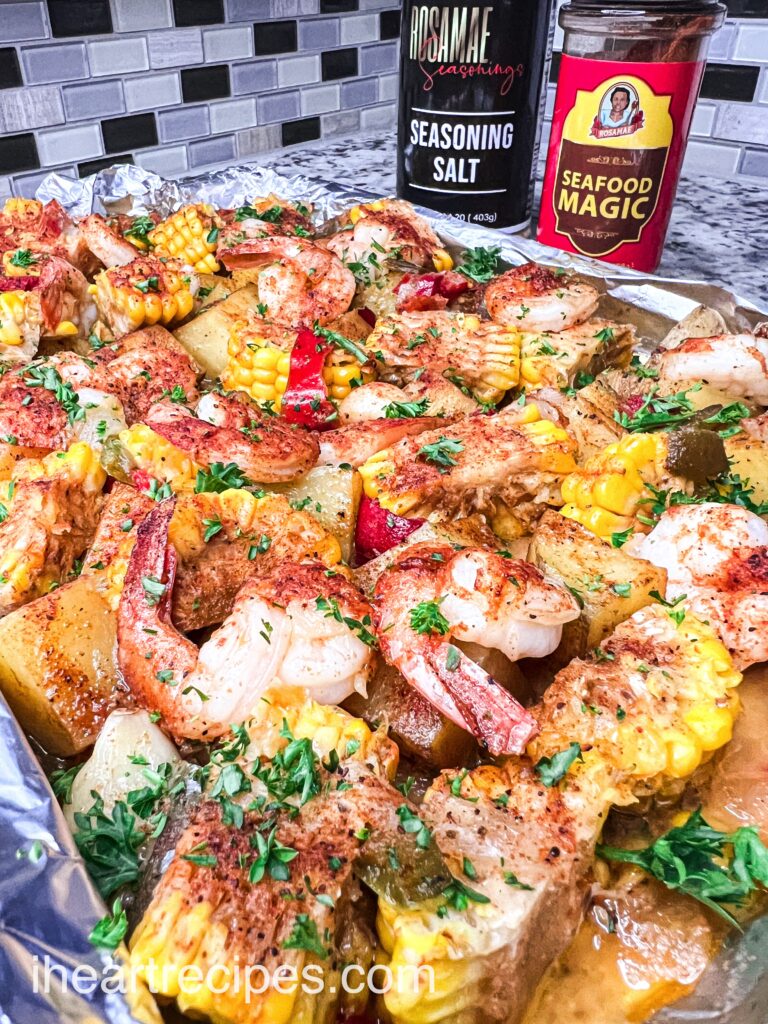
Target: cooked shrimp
x=734, y=363
x=756, y=427
x=716, y=557
x=49, y=514
x=265, y=448
x=65, y=300
x=105, y=243
x=301, y=282
x=480, y=355
x=536, y=298
x=355, y=443
x=28, y=224
x=433, y=594
x=297, y=625
x=387, y=227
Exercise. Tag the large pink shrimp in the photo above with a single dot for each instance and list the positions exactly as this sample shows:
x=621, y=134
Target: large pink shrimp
x=432, y=594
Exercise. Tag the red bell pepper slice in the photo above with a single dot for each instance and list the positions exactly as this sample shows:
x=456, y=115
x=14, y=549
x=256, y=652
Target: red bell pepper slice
x=23, y=283
x=378, y=530
x=306, y=399
x=429, y=291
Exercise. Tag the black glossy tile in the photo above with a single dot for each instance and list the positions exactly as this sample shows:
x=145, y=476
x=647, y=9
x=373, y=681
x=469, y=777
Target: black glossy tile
x=389, y=24
x=188, y=13
x=211, y=83
x=134, y=132
x=338, y=6
x=18, y=153
x=730, y=82
x=339, y=63
x=554, y=67
x=300, y=131
x=94, y=166
x=79, y=18
x=747, y=8
x=10, y=72
x=274, y=37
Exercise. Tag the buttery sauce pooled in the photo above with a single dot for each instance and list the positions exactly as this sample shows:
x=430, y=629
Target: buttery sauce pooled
x=642, y=946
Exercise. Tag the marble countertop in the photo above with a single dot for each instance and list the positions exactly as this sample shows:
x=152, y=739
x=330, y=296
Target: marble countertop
x=717, y=232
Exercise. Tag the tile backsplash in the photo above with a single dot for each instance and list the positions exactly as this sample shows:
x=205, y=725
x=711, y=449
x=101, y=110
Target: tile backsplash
x=175, y=85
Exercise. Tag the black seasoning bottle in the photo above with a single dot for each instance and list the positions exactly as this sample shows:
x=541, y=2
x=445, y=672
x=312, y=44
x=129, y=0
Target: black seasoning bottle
x=471, y=101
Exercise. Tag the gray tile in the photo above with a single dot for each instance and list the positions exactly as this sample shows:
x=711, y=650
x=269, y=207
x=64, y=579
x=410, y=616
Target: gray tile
x=755, y=162
x=742, y=123
x=77, y=143
x=27, y=184
x=752, y=42
x=359, y=28
x=167, y=161
x=6, y=188
x=211, y=151
x=341, y=123
x=298, y=70
x=147, y=92
x=62, y=62
x=722, y=43
x=703, y=119
x=360, y=92
x=389, y=88
x=184, y=123
x=22, y=21
x=320, y=100
x=381, y=57
x=118, y=56
x=319, y=33
x=23, y=109
x=293, y=8
x=225, y=44
x=247, y=10
x=709, y=158
x=378, y=5
x=232, y=115
x=378, y=117
x=257, y=76
x=135, y=15
x=93, y=99
x=175, y=49
x=278, y=106
x=258, y=140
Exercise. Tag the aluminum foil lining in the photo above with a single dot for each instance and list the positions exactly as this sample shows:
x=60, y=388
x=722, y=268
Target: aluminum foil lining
x=48, y=904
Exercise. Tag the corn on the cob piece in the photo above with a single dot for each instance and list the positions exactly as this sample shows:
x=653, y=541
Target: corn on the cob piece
x=158, y=458
x=608, y=492
x=552, y=359
x=477, y=355
x=645, y=716
x=20, y=320
x=190, y=235
x=145, y=292
x=260, y=368
x=189, y=921
x=50, y=512
x=483, y=451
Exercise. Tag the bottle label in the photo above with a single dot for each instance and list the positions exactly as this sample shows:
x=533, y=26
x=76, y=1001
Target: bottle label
x=469, y=98
x=618, y=137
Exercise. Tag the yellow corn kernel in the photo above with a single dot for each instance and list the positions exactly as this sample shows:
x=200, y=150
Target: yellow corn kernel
x=256, y=367
x=22, y=208
x=712, y=725
x=529, y=371
x=159, y=458
x=189, y=235
x=16, y=309
x=342, y=372
x=683, y=753
x=442, y=259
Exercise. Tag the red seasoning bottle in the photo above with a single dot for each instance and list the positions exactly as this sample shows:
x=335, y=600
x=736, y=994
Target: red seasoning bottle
x=628, y=83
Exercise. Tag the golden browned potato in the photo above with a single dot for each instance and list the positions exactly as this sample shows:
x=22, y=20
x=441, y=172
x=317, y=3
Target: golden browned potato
x=609, y=584
x=57, y=666
x=206, y=337
x=214, y=288
x=749, y=460
x=332, y=496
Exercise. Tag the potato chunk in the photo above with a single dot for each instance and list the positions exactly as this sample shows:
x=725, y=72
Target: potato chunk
x=331, y=495
x=206, y=337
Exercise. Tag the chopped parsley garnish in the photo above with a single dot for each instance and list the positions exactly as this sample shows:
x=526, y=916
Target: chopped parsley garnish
x=342, y=342
x=676, y=614
x=153, y=588
x=42, y=376
x=293, y=771
x=272, y=858
x=620, y=538
x=404, y=410
x=23, y=258
x=304, y=935
x=510, y=878
x=110, y=931
x=441, y=451
x=360, y=627
x=108, y=844
x=459, y=896
x=552, y=770
x=413, y=825
x=426, y=617
x=219, y=477
x=212, y=527
x=139, y=228
x=480, y=264
x=62, y=781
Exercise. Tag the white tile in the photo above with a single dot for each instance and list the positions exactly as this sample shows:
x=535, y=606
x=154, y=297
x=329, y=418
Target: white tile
x=118, y=56
x=33, y=107
x=228, y=43
x=752, y=43
x=742, y=123
x=175, y=49
x=298, y=70
x=722, y=43
x=379, y=117
x=703, y=119
x=152, y=91
x=709, y=158
x=135, y=15
x=66, y=144
x=389, y=88
x=168, y=160
x=233, y=115
x=762, y=89
x=320, y=100
x=360, y=28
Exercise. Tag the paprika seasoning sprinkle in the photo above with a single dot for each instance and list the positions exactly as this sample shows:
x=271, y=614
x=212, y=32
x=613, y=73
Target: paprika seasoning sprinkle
x=628, y=84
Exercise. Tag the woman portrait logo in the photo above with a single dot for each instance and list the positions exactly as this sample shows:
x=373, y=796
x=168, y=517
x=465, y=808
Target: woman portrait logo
x=618, y=113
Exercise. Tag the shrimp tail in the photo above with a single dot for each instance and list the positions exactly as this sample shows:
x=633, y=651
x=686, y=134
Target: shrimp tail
x=491, y=714
x=154, y=658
